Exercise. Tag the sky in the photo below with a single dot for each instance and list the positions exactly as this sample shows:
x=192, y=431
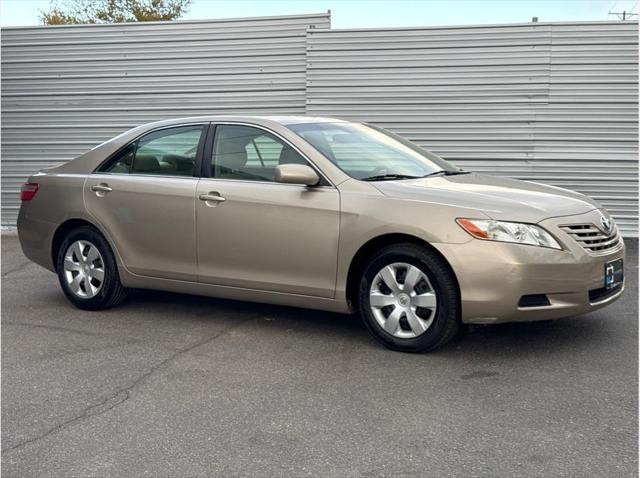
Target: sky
x=375, y=13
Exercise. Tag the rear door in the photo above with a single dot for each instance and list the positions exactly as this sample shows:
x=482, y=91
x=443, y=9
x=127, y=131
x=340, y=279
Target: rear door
x=255, y=233
x=144, y=197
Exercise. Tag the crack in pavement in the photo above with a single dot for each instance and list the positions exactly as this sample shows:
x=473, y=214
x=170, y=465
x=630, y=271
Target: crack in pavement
x=122, y=395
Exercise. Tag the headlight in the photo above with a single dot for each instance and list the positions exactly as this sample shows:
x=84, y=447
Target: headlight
x=516, y=232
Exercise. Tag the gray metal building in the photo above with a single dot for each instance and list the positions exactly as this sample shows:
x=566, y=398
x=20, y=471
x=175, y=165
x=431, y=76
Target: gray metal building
x=66, y=89
x=555, y=103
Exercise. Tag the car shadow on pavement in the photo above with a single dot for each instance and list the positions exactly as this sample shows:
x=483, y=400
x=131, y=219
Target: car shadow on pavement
x=518, y=339
x=482, y=341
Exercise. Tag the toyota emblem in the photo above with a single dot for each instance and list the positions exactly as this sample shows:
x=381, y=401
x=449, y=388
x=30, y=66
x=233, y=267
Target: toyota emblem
x=606, y=223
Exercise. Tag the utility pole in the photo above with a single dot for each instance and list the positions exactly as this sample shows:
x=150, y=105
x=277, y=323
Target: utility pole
x=624, y=15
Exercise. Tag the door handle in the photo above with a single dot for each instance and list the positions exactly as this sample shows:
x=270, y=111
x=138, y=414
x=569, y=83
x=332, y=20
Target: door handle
x=212, y=196
x=101, y=188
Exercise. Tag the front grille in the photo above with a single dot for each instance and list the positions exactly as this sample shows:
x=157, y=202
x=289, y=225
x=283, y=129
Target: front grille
x=592, y=238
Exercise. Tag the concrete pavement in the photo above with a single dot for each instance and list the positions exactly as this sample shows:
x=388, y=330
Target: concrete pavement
x=181, y=386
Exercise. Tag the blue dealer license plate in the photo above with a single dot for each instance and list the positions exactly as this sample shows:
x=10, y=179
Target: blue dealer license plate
x=613, y=274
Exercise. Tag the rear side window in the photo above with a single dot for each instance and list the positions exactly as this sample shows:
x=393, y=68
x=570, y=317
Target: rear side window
x=169, y=152
x=123, y=161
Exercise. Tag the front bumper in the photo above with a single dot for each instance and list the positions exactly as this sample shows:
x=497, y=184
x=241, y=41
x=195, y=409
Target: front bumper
x=494, y=276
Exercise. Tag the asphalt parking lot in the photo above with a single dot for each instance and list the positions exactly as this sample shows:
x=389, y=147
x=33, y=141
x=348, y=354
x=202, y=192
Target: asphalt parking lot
x=181, y=386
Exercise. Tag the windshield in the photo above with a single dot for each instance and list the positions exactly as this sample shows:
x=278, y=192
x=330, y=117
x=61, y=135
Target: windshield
x=370, y=153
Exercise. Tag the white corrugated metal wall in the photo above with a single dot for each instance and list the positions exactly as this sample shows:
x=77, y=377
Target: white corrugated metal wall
x=66, y=89
x=555, y=103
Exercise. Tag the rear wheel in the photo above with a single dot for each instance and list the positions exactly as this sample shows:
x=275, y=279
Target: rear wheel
x=87, y=270
x=408, y=299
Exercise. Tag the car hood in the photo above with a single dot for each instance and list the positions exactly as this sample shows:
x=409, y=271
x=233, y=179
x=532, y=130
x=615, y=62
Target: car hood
x=498, y=198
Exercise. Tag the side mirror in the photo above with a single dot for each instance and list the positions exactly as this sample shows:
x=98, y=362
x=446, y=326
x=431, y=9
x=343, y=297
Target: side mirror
x=296, y=174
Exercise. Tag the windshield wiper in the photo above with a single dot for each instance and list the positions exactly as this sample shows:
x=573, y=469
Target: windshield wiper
x=454, y=173
x=446, y=172
x=389, y=177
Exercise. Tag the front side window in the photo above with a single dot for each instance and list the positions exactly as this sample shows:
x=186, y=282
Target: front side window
x=248, y=153
x=369, y=153
x=170, y=152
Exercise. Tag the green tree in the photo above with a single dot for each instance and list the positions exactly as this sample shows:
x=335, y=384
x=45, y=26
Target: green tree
x=70, y=12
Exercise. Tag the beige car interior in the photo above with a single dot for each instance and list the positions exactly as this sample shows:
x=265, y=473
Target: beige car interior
x=231, y=158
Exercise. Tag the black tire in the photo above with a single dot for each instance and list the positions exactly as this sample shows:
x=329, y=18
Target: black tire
x=111, y=292
x=446, y=323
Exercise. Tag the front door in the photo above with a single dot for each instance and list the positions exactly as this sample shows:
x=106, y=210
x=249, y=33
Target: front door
x=257, y=234
x=145, y=199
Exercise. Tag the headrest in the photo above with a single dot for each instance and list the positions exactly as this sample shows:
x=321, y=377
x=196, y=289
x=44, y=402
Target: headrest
x=231, y=152
x=146, y=162
x=289, y=155
x=180, y=163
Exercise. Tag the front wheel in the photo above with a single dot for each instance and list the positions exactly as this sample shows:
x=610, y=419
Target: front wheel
x=408, y=298
x=87, y=270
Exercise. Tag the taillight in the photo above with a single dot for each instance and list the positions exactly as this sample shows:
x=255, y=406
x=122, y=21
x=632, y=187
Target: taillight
x=28, y=191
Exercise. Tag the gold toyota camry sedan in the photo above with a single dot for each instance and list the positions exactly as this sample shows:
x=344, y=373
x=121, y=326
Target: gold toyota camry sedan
x=317, y=213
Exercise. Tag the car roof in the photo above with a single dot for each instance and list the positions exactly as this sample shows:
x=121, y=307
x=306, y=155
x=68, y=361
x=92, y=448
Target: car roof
x=303, y=119
x=283, y=120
